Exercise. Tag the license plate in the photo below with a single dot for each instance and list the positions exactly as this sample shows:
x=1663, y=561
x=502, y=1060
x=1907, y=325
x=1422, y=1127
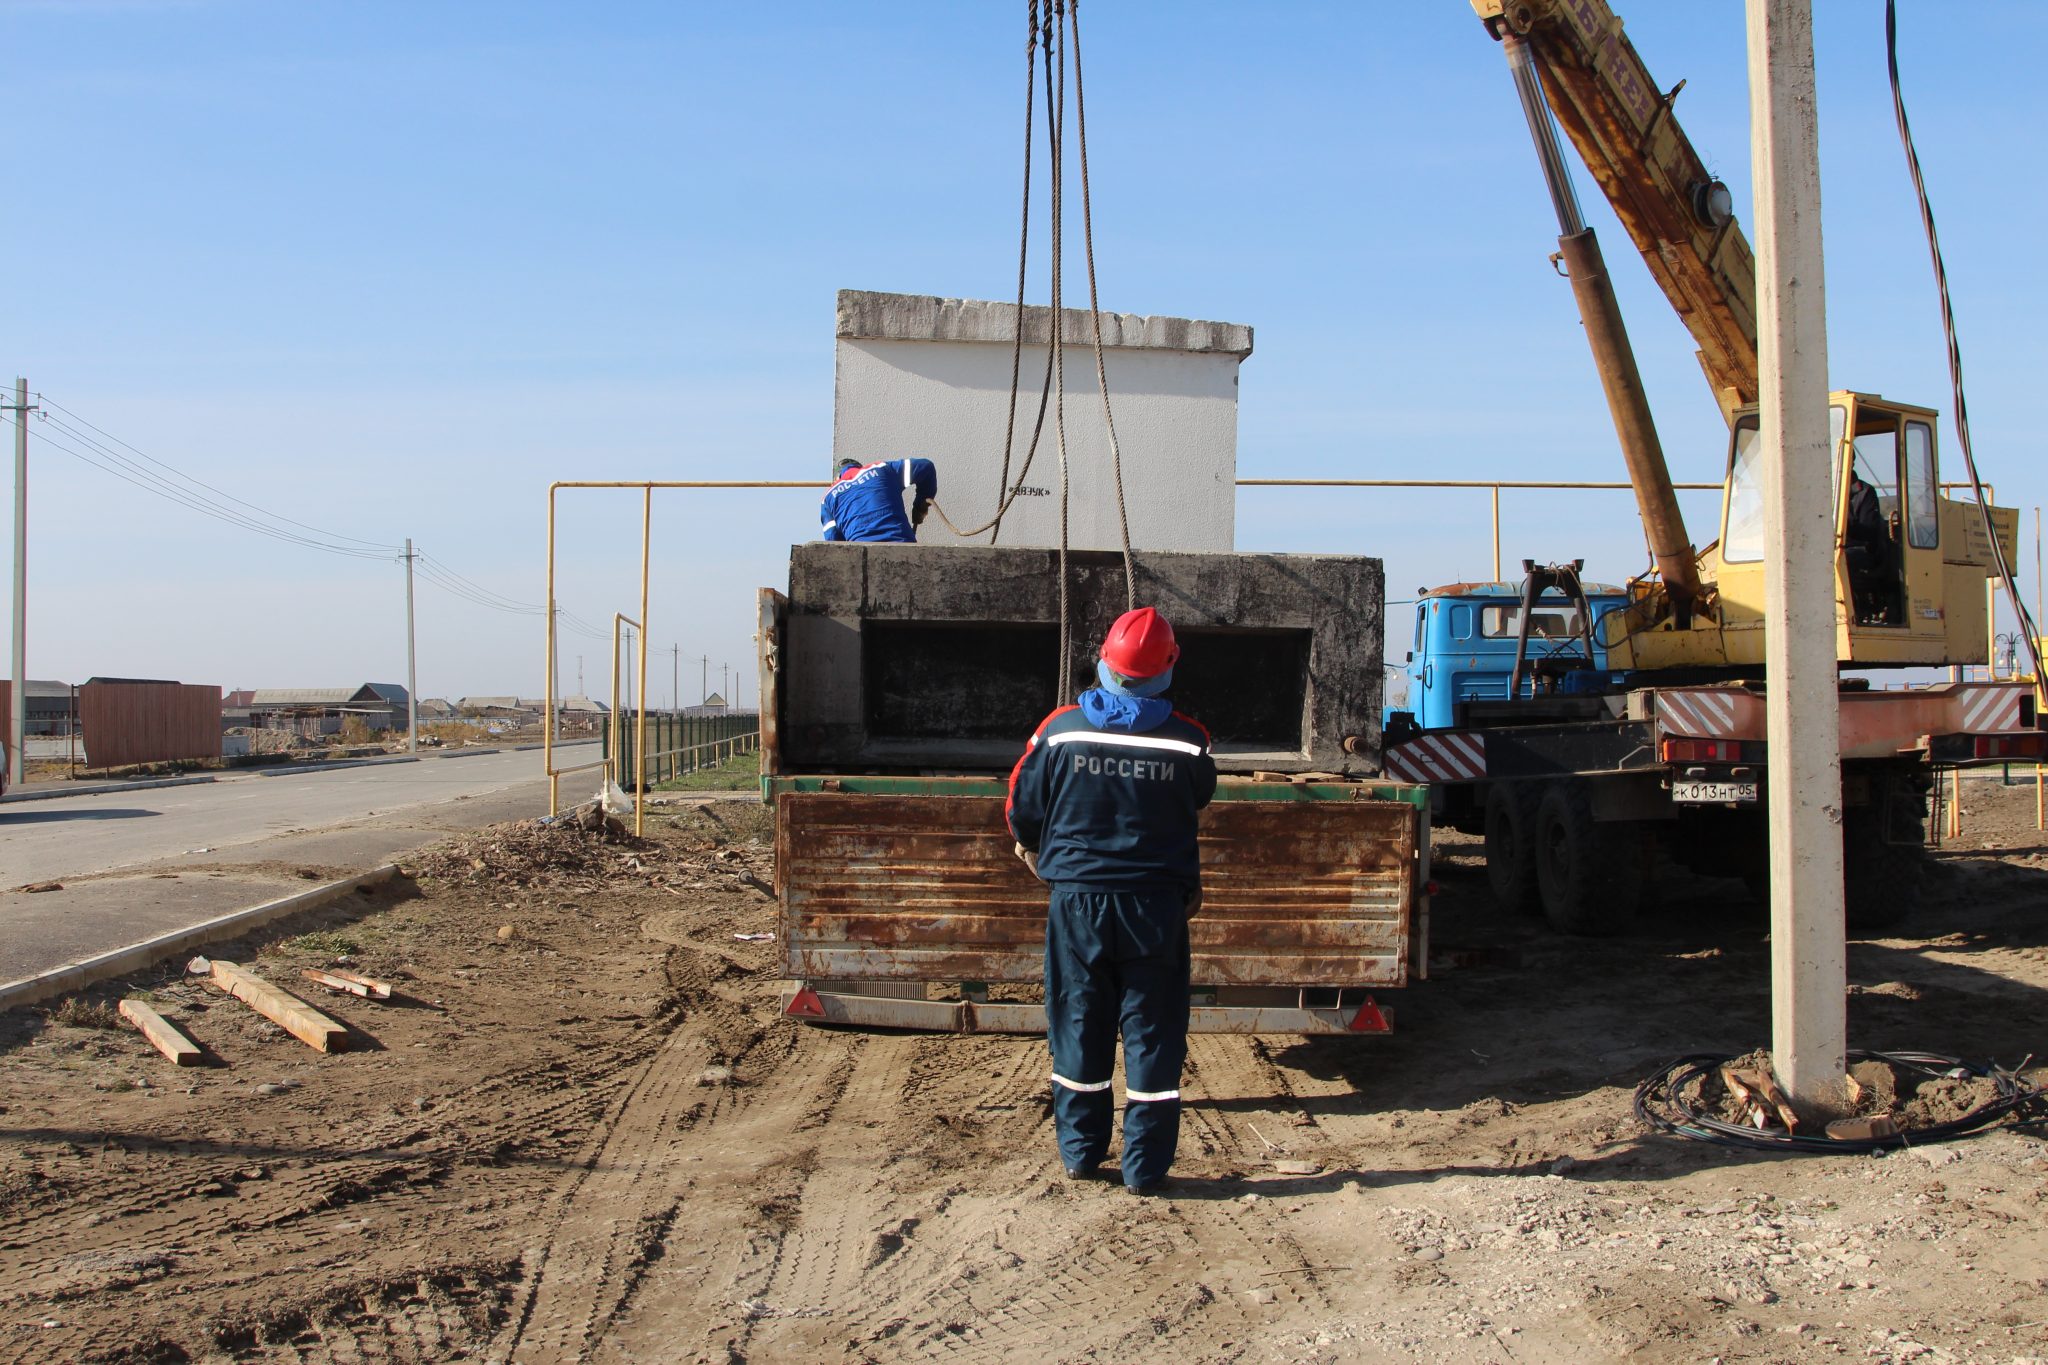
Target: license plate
x=1711, y=793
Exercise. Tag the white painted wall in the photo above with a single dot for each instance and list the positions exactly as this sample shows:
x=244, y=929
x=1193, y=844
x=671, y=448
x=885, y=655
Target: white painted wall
x=931, y=377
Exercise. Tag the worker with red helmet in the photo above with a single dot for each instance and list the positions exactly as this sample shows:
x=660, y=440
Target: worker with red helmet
x=1103, y=808
x=865, y=502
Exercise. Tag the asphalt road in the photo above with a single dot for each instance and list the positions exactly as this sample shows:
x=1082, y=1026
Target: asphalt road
x=137, y=864
x=49, y=840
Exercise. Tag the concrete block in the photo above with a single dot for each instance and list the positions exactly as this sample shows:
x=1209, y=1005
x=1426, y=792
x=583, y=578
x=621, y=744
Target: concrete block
x=935, y=658
x=917, y=375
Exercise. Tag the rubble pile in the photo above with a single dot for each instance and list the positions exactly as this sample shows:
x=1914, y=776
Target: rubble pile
x=585, y=846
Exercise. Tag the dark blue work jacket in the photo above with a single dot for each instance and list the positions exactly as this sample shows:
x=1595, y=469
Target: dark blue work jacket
x=1106, y=793
x=868, y=505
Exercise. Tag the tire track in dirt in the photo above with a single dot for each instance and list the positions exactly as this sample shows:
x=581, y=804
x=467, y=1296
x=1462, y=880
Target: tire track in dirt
x=307, y=1211
x=892, y=1254
x=674, y=1152
x=596, y=1246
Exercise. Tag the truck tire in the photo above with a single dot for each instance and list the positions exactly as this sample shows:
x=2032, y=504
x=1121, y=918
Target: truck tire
x=1884, y=858
x=1510, y=845
x=1590, y=875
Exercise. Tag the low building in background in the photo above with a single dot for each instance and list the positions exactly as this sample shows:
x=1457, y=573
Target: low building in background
x=313, y=712
x=50, y=708
x=499, y=708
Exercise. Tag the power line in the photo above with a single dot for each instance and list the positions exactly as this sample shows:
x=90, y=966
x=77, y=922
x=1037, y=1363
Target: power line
x=204, y=508
x=102, y=455
x=51, y=403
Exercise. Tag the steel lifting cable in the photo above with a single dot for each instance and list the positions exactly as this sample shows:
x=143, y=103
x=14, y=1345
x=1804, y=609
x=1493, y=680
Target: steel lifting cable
x=1116, y=459
x=1006, y=492
x=1955, y=355
x=1055, y=28
x=1056, y=115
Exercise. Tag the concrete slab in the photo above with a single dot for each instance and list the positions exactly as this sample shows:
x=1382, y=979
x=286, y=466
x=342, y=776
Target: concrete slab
x=925, y=657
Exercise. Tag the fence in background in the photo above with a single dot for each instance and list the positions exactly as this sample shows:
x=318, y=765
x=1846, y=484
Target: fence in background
x=678, y=744
x=148, y=722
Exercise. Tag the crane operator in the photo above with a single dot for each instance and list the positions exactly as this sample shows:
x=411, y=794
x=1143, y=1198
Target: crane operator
x=865, y=502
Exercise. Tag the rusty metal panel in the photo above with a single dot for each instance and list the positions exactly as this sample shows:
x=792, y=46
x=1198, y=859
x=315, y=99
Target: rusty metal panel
x=926, y=888
x=148, y=722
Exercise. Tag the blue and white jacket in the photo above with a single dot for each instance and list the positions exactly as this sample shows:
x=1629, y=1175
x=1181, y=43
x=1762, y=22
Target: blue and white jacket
x=1106, y=794
x=868, y=505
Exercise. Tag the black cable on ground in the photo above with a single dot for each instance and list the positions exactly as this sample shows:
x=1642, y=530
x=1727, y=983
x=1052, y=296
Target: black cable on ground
x=1661, y=1103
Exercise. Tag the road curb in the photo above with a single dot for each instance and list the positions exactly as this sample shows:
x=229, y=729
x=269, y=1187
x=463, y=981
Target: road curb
x=136, y=956
x=112, y=788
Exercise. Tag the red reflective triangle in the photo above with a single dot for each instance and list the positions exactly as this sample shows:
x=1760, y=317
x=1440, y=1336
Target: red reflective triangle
x=805, y=1004
x=1369, y=1019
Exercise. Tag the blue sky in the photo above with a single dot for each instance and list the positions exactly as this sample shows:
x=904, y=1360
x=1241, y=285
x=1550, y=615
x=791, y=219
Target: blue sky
x=390, y=268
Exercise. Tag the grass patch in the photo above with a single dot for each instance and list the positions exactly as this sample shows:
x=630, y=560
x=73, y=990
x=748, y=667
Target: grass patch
x=76, y=1013
x=738, y=773
x=327, y=941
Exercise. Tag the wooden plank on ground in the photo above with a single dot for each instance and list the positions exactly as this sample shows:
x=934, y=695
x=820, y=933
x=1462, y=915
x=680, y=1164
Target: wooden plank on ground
x=280, y=1007
x=367, y=987
x=163, y=1035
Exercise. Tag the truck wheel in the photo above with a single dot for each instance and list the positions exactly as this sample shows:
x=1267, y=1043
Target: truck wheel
x=1591, y=875
x=1510, y=845
x=1884, y=858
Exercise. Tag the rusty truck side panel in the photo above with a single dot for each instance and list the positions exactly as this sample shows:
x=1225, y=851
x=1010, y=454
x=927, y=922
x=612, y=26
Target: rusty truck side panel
x=927, y=888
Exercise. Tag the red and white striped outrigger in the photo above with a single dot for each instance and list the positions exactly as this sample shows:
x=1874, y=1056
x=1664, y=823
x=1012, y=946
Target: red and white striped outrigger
x=1950, y=724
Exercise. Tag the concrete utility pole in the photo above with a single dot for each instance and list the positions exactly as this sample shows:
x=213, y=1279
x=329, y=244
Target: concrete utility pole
x=17, y=729
x=704, y=680
x=1809, y=955
x=675, y=683
x=725, y=684
x=412, y=691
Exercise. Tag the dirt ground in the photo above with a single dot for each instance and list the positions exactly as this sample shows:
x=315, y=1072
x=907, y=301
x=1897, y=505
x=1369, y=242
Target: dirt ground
x=583, y=1132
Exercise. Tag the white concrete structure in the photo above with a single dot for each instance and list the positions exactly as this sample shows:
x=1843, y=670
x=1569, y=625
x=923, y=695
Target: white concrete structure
x=917, y=375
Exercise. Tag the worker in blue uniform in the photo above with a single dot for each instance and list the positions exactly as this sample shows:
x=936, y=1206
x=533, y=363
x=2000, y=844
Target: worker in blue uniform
x=866, y=501
x=1103, y=807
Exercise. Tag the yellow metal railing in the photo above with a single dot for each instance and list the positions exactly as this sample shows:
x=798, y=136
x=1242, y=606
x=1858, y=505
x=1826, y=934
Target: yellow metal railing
x=1492, y=485
x=646, y=487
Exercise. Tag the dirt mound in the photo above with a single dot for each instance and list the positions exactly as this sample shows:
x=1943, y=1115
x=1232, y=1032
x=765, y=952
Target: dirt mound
x=580, y=843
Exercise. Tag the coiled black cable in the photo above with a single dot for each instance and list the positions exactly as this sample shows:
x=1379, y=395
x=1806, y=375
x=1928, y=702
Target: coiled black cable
x=1661, y=1104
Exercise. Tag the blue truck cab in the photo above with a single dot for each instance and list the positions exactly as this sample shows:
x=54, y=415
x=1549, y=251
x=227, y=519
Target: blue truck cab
x=1464, y=648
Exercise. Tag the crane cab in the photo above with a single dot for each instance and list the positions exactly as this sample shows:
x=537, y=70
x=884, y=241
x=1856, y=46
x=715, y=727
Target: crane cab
x=1911, y=565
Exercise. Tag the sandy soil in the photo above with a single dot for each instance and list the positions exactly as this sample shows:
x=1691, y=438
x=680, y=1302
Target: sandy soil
x=586, y=1134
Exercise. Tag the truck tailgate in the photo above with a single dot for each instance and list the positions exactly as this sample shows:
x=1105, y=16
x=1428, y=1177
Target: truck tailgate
x=927, y=888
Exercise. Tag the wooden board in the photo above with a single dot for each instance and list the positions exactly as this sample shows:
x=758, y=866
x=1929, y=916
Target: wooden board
x=282, y=1008
x=366, y=987
x=163, y=1035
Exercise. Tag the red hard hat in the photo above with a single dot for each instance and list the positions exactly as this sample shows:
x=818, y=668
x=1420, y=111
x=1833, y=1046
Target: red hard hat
x=1140, y=644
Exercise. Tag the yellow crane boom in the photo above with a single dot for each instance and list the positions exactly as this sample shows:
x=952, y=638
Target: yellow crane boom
x=1678, y=214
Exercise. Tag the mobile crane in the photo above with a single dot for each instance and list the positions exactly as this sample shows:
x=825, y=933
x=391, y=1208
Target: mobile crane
x=1649, y=733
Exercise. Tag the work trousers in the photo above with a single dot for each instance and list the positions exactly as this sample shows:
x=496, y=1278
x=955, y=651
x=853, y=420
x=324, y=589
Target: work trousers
x=1117, y=961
